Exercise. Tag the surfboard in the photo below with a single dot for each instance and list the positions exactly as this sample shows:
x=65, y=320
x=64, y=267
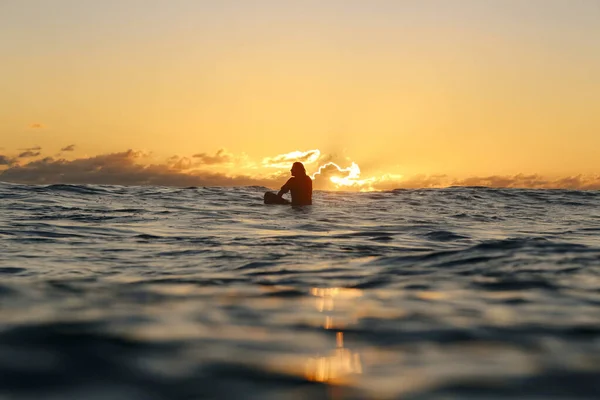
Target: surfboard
x=272, y=198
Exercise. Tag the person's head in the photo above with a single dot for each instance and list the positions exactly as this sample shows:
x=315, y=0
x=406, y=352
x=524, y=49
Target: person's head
x=298, y=169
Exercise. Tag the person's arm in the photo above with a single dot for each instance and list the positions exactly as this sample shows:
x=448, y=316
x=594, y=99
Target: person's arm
x=285, y=188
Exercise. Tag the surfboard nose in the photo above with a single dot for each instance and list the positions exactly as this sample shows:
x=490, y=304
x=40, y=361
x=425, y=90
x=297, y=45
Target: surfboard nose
x=272, y=198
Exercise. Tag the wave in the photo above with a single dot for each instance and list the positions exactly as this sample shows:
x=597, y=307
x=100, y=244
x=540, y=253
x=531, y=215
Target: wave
x=188, y=292
x=77, y=189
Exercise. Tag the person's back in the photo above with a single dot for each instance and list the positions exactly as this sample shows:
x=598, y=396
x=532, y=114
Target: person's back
x=300, y=185
x=301, y=189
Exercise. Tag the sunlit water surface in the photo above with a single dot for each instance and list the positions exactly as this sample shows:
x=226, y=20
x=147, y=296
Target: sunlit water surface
x=112, y=292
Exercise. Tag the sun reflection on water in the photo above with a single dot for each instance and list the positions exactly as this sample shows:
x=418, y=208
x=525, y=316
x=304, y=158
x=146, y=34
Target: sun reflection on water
x=341, y=363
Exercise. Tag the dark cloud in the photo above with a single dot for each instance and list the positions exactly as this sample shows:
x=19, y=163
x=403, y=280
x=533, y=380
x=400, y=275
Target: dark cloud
x=532, y=181
x=29, y=154
x=579, y=182
x=120, y=169
x=5, y=160
x=522, y=181
x=221, y=157
x=34, y=148
x=70, y=147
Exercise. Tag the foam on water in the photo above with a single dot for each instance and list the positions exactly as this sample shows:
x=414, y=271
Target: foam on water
x=168, y=293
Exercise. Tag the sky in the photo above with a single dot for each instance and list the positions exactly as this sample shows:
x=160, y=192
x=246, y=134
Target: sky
x=394, y=93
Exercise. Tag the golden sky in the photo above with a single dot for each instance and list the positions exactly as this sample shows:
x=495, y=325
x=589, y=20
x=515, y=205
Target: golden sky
x=469, y=88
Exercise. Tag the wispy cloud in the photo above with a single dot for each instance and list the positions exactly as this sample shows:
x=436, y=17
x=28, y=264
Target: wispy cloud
x=221, y=157
x=284, y=160
x=34, y=148
x=29, y=154
x=70, y=147
x=36, y=126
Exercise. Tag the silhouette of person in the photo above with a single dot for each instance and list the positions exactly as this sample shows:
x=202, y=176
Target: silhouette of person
x=300, y=186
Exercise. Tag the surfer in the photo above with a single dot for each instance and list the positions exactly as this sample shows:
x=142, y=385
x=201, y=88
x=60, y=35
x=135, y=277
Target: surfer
x=300, y=185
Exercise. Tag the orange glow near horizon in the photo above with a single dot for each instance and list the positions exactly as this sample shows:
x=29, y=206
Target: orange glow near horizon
x=223, y=168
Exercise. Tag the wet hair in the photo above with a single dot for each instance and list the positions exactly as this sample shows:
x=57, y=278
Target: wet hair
x=300, y=166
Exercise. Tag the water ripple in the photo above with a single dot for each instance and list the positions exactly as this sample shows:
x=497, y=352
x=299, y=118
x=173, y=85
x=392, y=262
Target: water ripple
x=169, y=293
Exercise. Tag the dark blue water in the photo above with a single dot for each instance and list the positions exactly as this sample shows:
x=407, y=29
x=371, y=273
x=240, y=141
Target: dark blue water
x=111, y=292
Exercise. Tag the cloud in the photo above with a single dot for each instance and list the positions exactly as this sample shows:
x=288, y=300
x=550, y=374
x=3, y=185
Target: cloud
x=34, y=148
x=36, y=126
x=341, y=177
x=285, y=160
x=180, y=163
x=121, y=169
x=331, y=176
x=221, y=157
x=5, y=160
x=70, y=147
x=133, y=168
x=579, y=182
x=29, y=154
x=534, y=181
x=521, y=181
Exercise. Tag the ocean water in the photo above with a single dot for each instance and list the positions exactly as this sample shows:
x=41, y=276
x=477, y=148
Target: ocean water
x=111, y=292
